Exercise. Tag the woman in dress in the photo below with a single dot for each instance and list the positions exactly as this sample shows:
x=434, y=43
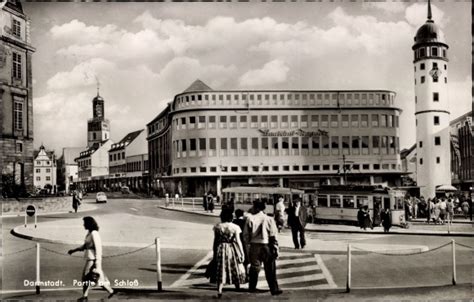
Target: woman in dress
x=92, y=248
x=228, y=253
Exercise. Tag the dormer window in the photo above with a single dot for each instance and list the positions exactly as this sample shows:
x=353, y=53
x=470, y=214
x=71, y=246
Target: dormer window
x=434, y=51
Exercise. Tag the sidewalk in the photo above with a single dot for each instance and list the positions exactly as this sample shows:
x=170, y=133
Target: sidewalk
x=84, y=207
x=465, y=229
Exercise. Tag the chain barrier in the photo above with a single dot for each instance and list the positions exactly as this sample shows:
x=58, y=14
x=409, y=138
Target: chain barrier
x=27, y=249
x=466, y=246
x=110, y=256
x=405, y=254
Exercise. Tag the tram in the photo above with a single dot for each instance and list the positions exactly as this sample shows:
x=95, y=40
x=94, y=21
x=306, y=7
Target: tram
x=243, y=197
x=340, y=203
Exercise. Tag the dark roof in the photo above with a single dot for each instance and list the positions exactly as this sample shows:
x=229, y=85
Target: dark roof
x=405, y=152
x=89, y=151
x=126, y=140
x=15, y=5
x=197, y=86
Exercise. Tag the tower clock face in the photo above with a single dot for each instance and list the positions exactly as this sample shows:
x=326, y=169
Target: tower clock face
x=435, y=73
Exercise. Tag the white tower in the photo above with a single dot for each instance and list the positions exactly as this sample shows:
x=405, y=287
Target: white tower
x=432, y=108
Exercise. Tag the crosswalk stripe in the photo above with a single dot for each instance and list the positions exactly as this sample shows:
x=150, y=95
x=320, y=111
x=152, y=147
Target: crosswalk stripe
x=262, y=283
x=184, y=277
x=297, y=269
x=299, y=260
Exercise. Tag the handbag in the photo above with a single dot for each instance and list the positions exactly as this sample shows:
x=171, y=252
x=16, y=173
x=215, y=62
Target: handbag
x=211, y=271
x=92, y=276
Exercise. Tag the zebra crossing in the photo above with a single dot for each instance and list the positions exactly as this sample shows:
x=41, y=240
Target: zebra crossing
x=342, y=237
x=295, y=270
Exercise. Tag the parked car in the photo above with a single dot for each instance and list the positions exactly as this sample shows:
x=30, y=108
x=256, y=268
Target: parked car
x=125, y=190
x=101, y=197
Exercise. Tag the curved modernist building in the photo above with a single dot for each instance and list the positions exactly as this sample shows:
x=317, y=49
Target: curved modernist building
x=208, y=140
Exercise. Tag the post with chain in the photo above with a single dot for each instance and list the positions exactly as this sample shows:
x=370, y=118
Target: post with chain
x=193, y=204
x=37, y=268
x=453, y=244
x=158, y=264
x=182, y=203
x=348, y=284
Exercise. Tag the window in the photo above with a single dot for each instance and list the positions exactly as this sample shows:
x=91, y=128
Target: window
x=16, y=28
x=375, y=120
x=273, y=121
x=202, y=144
x=284, y=121
x=224, y=146
x=334, y=121
x=264, y=121
x=422, y=52
x=375, y=144
x=243, y=146
x=233, y=121
x=434, y=51
x=445, y=80
x=345, y=120
x=38, y=170
x=436, y=120
x=315, y=145
x=243, y=121
x=422, y=66
x=294, y=121
x=223, y=121
x=48, y=178
x=335, y=145
x=295, y=146
x=383, y=120
x=304, y=121
x=422, y=80
x=254, y=121
x=48, y=170
x=192, y=122
x=421, y=161
x=18, y=115
x=435, y=97
x=324, y=121
x=335, y=201
x=38, y=178
x=348, y=201
x=202, y=122
x=437, y=141
x=420, y=144
x=16, y=66
x=315, y=121
x=212, y=122
x=364, y=122
x=19, y=147
x=354, y=120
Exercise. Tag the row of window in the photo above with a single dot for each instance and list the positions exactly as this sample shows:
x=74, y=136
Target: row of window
x=117, y=156
x=430, y=51
x=287, y=168
x=130, y=167
x=275, y=146
x=301, y=98
x=38, y=178
x=435, y=80
x=285, y=121
x=84, y=163
x=438, y=160
x=38, y=163
x=437, y=142
x=434, y=66
x=39, y=170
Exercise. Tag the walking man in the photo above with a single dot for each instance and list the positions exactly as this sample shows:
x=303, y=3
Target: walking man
x=260, y=242
x=297, y=215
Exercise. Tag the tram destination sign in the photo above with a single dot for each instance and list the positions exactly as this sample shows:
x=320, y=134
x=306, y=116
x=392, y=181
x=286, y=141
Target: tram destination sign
x=299, y=132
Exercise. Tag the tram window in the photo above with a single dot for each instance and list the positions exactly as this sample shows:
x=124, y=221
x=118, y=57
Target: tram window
x=348, y=202
x=322, y=201
x=335, y=201
x=362, y=200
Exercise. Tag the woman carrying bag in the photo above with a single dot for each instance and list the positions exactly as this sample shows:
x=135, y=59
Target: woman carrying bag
x=92, y=247
x=227, y=263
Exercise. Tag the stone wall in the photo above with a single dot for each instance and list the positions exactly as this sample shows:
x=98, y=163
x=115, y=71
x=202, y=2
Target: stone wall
x=43, y=205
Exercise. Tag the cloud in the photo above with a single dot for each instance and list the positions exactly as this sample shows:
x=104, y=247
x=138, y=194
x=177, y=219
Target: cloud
x=272, y=72
x=82, y=75
x=387, y=7
x=78, y=32
x=417, y=13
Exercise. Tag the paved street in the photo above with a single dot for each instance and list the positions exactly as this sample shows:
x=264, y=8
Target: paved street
x=127, y=225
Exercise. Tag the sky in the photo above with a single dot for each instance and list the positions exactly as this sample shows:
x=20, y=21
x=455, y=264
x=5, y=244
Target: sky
x=143, y=54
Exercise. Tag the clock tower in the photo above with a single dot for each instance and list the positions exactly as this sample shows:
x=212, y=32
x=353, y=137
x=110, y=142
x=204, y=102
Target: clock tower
x=431, y=108
x=98, y=128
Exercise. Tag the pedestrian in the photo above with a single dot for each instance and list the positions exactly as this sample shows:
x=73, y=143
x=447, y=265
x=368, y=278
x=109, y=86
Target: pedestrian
x=442, y=210
x=92, y=248
x=297, y=217
x=204, y=202
x=360, y=217
x=228, y=253
x=210, y=202
x=450, y=210
x=364, y=216
x=436, y=212
x=76, y=202
x=386, y=220
x=262, y=247
x=280, y=213
x=415, y=203
x=465, y=208
x=429, y=210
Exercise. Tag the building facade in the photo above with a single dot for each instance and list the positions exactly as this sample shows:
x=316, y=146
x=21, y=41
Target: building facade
x=432, y=108
x=68, y=173
x=462, y=152
x=45, y=170
x=128, y=162
x=216, y=139
x=16, y=107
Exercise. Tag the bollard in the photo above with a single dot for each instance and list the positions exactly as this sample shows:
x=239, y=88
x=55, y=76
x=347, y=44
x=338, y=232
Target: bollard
x=158, y=264
x=173, y=201
x=193, y=203
x=182, y=203
x=449, y=227
x=37, y=268
x=348, y=284
x=454, y=260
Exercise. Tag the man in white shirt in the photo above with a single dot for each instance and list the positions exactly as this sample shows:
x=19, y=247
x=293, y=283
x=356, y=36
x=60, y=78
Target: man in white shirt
x=280, y=213
x=260, y=241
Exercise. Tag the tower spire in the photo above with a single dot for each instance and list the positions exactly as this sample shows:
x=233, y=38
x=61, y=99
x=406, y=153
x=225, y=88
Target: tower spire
x=429, y=10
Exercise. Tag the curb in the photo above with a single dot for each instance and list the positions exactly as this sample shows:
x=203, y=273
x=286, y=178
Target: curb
x=457, y=234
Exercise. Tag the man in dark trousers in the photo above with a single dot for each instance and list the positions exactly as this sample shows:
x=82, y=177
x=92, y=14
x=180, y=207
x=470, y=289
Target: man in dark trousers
x=260, y=243
x=297, y=215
